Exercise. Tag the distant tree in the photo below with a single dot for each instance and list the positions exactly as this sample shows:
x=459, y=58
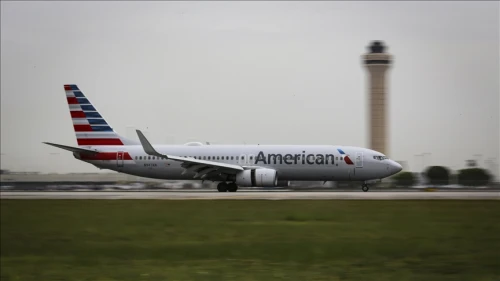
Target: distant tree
x=453, y=178
x=404, y=179
x=473, y=177
x=438, y=175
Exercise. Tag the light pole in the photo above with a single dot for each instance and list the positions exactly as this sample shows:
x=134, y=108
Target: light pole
x=478, y=159
x=426, y=162
x=1, y=158
x=55, y=154
x=492, y=166
x=416, y=162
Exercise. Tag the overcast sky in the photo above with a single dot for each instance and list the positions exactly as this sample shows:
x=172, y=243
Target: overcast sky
x=250, y=72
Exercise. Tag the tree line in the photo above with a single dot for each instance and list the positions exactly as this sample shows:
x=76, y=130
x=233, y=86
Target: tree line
x=439, y=176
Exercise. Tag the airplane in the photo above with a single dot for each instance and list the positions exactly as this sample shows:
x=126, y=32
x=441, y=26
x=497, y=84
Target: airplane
x=232, y=166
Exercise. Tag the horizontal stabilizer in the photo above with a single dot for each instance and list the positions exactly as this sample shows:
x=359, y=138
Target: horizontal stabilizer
x=72, y=149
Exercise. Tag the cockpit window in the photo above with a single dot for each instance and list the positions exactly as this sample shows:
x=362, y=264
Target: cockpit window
x=380, y=157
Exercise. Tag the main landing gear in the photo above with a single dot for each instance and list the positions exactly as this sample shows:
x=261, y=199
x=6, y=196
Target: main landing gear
x=223, y=187
x=365, y=187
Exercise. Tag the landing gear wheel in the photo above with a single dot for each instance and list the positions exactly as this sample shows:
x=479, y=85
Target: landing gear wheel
x=222, y=187
x=365, y=187
x=232, y=187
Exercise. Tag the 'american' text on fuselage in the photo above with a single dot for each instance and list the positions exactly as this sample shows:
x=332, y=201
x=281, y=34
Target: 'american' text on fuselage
x=292, y=159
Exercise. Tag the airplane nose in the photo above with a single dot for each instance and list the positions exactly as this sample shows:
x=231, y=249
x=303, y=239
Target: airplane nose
x=396, y=167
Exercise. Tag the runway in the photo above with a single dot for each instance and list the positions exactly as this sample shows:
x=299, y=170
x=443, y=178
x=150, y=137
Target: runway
x=252, y=195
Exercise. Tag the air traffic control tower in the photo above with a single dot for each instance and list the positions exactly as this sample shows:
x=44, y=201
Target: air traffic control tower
x=377, y=62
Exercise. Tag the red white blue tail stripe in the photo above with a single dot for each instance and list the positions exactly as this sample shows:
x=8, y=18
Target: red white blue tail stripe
x=90, y=127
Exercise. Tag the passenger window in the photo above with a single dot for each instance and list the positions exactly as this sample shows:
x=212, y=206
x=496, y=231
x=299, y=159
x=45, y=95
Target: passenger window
x=232, y=157
x=140, y=157
x=242, y=157
x=337, y=158
x=341, y=158
x=217, y=157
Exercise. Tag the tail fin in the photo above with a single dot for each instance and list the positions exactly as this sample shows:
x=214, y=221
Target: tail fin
x=90, y=127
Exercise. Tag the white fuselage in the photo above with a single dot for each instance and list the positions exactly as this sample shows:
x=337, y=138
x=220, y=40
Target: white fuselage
x=292, y=162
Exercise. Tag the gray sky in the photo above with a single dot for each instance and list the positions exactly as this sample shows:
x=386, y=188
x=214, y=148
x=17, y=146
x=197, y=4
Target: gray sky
x=254, y=72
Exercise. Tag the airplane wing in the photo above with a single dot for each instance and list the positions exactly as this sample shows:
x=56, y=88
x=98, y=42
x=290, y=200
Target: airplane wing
x=72, y=149
x=201, y=167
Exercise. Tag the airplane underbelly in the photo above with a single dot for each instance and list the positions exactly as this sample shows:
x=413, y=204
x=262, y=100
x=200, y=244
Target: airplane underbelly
x=307, y=174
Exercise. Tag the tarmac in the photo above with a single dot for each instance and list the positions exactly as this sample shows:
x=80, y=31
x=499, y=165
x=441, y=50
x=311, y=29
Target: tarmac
x=253, y=195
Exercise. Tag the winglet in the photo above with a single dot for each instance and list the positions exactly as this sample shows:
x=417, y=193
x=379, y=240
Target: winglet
x=148, y=148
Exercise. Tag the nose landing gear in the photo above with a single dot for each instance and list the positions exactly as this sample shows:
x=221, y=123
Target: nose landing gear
x=365, y=187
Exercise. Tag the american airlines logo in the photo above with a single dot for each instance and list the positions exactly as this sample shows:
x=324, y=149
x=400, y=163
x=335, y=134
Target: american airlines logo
x=294, y=159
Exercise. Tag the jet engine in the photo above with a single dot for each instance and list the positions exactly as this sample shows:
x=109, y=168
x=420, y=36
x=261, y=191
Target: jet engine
x=257, y=178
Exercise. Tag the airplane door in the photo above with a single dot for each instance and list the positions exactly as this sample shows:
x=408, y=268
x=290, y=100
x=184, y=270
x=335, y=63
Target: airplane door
x=359, y=159
x=119, y=159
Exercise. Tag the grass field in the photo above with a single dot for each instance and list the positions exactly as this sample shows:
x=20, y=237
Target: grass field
x=249, y=240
